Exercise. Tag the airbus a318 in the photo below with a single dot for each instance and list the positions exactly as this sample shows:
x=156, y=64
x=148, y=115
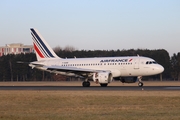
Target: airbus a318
x=101, y=70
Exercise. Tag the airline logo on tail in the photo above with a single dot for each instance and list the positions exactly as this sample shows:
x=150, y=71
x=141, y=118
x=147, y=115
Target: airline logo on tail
x=41, y=47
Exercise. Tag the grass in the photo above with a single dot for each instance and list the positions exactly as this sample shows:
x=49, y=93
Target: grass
x=80, y=105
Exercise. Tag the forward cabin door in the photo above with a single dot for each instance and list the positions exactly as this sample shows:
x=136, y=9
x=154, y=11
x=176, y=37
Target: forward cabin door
x=136, y=63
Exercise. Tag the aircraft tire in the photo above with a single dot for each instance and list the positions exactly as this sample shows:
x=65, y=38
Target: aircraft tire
x=140, y=84
x=104, y=85
x=86, y=84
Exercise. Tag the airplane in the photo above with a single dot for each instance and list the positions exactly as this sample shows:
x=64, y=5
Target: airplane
x=101, y=70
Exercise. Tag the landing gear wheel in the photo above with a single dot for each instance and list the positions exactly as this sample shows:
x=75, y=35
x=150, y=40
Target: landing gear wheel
x=86, y=84
x=103, y=85
x=140, y=84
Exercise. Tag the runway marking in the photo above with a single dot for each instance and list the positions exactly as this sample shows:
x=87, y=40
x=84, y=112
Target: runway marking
x=172, y=88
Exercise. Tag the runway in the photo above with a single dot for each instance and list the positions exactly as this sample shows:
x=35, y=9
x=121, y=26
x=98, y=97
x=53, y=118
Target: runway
x=77, y=86
x=93, y=88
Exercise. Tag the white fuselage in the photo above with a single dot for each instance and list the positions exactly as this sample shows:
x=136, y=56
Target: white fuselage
x=118, y=66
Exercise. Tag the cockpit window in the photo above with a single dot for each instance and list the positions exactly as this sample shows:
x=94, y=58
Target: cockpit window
x=151, y=62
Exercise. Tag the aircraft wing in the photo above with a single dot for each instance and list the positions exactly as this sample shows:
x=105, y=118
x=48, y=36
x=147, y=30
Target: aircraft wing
x=70, y=69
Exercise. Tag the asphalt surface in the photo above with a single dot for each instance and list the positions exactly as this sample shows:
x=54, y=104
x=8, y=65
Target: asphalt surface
x=93, y=88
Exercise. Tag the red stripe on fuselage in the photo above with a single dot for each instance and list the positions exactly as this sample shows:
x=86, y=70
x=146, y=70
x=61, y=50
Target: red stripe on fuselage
x=37, y=50
x=130, y=60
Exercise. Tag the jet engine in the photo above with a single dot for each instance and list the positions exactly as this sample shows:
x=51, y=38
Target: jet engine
x=102, y=77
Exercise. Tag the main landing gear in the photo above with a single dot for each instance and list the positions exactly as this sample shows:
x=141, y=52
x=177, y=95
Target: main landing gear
x=140, y=84
x=104, y=85
x=86, y=84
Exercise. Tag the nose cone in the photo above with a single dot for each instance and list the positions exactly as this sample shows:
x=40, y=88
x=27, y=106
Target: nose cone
x=159, y=69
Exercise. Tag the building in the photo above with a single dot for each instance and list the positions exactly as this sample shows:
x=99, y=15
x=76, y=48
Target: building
x=16, y=48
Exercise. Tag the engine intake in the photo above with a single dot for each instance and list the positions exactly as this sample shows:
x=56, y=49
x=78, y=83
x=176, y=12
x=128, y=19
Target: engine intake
x=102, y=77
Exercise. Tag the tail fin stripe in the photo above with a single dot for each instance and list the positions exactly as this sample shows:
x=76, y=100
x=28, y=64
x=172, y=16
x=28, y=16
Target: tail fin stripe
x=39, y=46
x=44, y=46
x=37, y=50
x=42, y=49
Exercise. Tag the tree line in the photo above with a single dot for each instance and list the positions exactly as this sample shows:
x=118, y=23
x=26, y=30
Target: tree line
x=10, y=70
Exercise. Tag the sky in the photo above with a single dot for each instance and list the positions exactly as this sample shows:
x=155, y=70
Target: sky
x=93, y=24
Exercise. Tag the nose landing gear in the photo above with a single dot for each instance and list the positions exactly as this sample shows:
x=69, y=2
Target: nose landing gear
x=140, y=84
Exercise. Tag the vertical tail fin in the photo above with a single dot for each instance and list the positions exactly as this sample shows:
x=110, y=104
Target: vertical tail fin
x=41, y=47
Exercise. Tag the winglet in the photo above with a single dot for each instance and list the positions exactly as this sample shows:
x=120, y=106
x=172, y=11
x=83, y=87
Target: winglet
x=41, y=47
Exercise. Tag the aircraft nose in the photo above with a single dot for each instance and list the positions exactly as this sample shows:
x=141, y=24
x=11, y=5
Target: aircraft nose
x=160, y=69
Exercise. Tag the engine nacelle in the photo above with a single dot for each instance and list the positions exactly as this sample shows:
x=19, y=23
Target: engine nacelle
x=127, y=79
x=102, y=77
